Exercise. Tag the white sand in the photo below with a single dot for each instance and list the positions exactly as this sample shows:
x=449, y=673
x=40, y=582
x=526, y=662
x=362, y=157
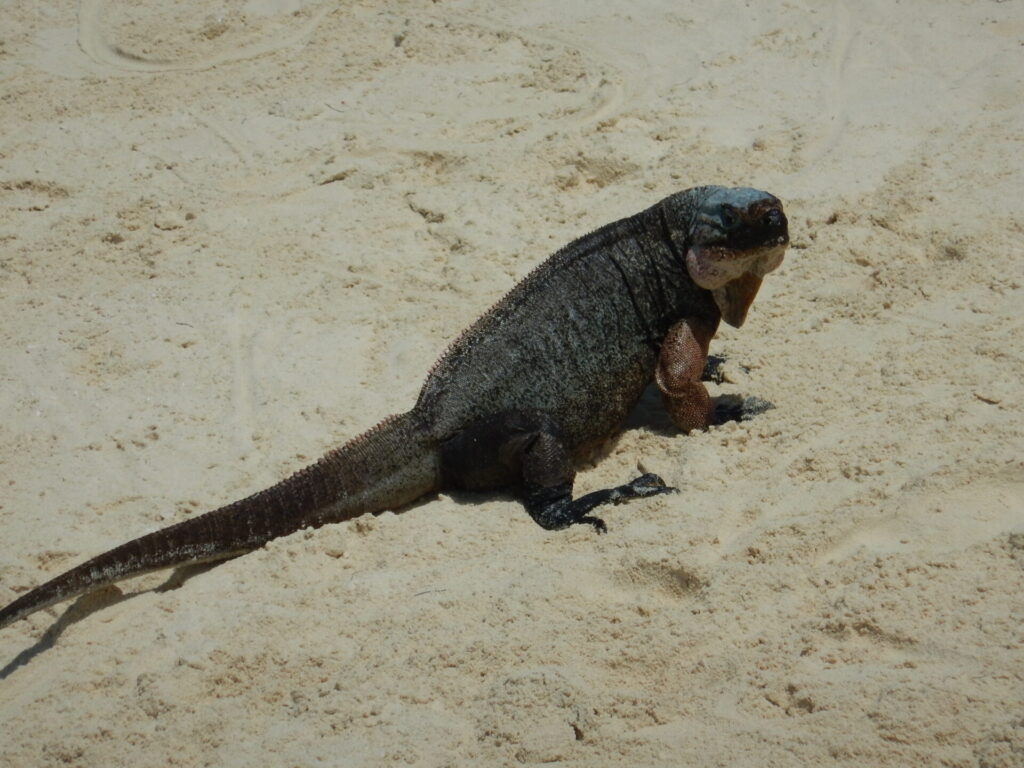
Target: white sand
x=237, y=234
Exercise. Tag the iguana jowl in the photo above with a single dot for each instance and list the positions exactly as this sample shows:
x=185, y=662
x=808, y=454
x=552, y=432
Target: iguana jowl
x=536, y=384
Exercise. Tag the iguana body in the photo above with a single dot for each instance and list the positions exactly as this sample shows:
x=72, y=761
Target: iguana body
x=532, y=387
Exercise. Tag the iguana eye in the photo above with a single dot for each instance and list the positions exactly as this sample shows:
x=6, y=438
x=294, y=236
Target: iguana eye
x=728, y=216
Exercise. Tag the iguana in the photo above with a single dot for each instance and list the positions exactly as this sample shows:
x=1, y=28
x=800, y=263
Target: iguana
x=534, y=386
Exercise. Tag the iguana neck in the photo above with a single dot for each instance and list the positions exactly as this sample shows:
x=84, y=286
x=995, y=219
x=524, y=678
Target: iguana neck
x=652, y=265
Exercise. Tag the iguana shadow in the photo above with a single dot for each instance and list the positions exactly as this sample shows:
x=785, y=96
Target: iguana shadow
x=649, y=413
x=93, y=602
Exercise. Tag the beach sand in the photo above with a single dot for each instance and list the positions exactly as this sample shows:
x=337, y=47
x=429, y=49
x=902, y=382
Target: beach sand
x=236, y=234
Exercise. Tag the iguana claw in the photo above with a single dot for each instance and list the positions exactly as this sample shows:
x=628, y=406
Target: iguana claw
x=647, y=484
x=736, y=408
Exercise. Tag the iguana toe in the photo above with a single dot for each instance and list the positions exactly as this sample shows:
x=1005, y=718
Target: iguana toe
x=736, y=408
x=646, y=485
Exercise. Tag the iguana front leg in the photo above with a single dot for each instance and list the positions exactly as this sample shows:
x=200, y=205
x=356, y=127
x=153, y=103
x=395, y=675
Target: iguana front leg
x=682, y=365
x=524, y=450
x=684, y=353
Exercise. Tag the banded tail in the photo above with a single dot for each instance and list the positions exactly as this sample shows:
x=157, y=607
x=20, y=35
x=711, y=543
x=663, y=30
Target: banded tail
x=385, y=468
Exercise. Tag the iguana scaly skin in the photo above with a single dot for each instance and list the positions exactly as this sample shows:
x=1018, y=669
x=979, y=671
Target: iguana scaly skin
x=532, y=387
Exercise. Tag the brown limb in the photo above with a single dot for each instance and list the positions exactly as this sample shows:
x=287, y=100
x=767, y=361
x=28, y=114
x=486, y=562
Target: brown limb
x=684, y=353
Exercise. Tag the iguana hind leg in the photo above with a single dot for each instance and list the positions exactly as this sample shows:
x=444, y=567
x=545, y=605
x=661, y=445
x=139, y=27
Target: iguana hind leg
x=553, y=507
x=524, y=450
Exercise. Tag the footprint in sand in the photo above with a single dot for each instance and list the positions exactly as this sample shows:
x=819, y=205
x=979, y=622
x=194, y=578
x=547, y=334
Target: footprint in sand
x=448, y=79
x=941, y=519
x=161, y=37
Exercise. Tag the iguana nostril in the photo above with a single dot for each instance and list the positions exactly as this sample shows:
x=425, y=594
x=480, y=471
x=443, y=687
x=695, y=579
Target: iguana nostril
x=774, y=219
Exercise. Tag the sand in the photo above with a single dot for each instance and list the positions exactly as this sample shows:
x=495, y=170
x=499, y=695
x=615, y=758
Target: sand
x=236, y=234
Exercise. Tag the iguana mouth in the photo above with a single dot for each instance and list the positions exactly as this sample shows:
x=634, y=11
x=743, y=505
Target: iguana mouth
x=732, y=267
x=732, y=276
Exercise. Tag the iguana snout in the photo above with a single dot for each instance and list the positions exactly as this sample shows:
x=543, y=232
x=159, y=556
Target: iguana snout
x=739, y=236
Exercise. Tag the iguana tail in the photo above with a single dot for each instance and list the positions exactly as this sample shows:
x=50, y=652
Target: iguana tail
x=387, y=467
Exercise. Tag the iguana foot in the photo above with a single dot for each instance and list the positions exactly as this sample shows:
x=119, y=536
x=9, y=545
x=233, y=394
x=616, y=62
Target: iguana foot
x=525, y=449
x=645, y=485
x=737, y=408
x=713, y=369
x=554, y=508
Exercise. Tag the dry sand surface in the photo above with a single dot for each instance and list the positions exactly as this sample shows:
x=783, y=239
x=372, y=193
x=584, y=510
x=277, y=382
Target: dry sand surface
x=235, y=234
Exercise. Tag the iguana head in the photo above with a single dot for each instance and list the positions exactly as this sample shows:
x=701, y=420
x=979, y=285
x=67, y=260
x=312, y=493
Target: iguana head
x=736, y=237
